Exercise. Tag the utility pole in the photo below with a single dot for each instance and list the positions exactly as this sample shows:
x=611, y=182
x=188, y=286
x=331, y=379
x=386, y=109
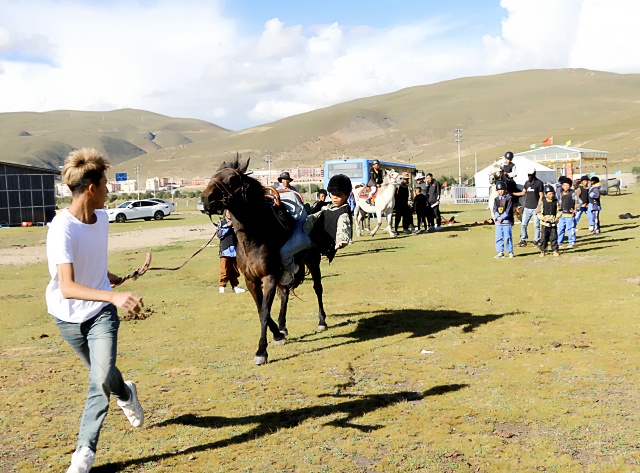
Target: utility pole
x=268, y=159
x=137, y=168
x=458, y=132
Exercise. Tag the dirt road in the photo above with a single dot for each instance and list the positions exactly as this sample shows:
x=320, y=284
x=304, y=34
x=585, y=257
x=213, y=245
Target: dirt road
x=140, y=238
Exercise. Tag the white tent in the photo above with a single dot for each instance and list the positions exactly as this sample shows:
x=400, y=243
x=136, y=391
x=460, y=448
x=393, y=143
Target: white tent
x=524, y=166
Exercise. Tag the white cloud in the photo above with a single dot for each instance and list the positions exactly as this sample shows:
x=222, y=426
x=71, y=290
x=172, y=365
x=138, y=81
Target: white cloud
x=189, y=60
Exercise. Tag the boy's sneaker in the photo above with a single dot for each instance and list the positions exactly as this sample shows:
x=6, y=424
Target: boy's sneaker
x=438, y=228
x=571, y=245
x=499, y=255
x=237, y=290
x=555, y=253
x=542, y=254
x=522, y=243
x=132, y=408
x=221, y=290
x=82, y=460
x=511, y=255
x=536, y=243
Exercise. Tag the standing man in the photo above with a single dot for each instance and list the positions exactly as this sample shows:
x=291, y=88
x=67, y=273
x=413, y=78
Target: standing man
x=376, y=177
x=402, y=207
x=285, y=182
x=533, y=192
x=433, y=199
x=80, y=298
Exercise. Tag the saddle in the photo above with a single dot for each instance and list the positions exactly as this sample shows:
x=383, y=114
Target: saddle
x=364, y=194
x=280, y=211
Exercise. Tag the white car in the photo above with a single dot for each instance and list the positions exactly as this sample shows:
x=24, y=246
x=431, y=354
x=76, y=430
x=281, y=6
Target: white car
x=162, y=201
x=133, y=209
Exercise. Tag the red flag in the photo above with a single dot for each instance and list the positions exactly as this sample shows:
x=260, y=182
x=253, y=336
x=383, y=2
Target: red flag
x=548, y=141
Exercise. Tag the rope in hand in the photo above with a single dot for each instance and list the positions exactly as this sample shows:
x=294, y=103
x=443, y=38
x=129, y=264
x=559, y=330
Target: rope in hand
x=147, y=262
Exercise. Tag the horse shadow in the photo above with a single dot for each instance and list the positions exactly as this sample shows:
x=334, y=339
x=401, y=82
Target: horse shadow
x=353, y=407
x=416, y=323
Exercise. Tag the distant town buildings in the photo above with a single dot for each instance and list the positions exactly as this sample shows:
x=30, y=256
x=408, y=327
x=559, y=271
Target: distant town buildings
x=305, y=174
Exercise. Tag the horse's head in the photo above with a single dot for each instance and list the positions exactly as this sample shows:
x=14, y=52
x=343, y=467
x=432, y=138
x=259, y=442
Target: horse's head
x=228, y=182
x=393, y=177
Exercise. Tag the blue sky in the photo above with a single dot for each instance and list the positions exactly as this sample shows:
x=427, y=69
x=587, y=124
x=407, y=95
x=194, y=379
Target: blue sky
x=245, y=63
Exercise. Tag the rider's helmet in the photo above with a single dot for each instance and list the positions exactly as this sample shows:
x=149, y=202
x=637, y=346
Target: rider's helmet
x=501, y=185
x=375, y=161
x=339, y=183
x=508, y=155
x=549, y=188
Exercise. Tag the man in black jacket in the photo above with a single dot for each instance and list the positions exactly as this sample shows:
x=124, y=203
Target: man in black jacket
x=402, y=208
x=533, y=192
x=433, y=199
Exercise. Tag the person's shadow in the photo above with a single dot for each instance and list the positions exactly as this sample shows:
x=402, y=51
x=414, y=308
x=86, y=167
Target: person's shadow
x=352, y=407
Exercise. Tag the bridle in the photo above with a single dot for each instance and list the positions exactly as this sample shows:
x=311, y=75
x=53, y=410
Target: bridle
x=228, y=193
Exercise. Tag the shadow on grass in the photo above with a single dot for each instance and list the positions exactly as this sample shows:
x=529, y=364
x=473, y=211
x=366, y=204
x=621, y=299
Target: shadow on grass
x=369, y=251
x=268, y=423
x=388, y=323
x=618, y=227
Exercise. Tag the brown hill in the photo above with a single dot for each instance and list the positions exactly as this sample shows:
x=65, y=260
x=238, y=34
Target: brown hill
x=597, y=110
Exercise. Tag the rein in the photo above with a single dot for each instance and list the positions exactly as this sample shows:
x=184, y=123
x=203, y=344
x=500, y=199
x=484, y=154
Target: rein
x=147, y=262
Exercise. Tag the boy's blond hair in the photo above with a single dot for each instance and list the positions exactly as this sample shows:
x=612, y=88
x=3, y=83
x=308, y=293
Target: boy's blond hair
x=83, y=167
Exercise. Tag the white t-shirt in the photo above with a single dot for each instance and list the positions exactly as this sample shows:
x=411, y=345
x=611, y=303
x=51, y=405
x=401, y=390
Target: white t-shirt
x=85, y=246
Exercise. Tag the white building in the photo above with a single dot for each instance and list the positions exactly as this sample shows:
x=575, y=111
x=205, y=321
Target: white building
x=129, y=186
x=523, y=165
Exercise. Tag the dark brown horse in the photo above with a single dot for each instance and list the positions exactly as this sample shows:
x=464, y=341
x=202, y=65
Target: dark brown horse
x=261, y=234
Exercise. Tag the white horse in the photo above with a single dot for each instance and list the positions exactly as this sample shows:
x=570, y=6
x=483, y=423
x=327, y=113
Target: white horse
x=384, y=202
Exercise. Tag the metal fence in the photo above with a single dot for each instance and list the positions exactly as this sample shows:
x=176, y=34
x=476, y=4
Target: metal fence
x=470, y=194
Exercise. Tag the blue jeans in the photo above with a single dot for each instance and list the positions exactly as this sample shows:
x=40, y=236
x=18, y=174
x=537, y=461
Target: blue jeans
x=578, y=214
x=526, y=217
x=593, y=213
x=566, y=224
x=299, y=241
x=95, y=342
x=503, y=238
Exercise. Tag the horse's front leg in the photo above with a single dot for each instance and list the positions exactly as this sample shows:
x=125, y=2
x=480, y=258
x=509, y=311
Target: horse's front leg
x=269, y=285
x=378, y=222
x=389, y=226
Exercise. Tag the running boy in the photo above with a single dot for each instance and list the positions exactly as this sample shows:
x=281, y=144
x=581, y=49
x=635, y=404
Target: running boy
x=503, y=216
x=80, y=298
x=549, y=213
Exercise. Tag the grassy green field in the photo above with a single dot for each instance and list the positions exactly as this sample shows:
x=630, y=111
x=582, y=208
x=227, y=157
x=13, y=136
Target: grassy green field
x=437, y=358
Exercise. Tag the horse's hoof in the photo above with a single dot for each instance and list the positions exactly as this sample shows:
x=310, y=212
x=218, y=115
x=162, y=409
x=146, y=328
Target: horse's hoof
x=260, y=360
x=280, y=342
x=284, y=332
x=322, y=328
